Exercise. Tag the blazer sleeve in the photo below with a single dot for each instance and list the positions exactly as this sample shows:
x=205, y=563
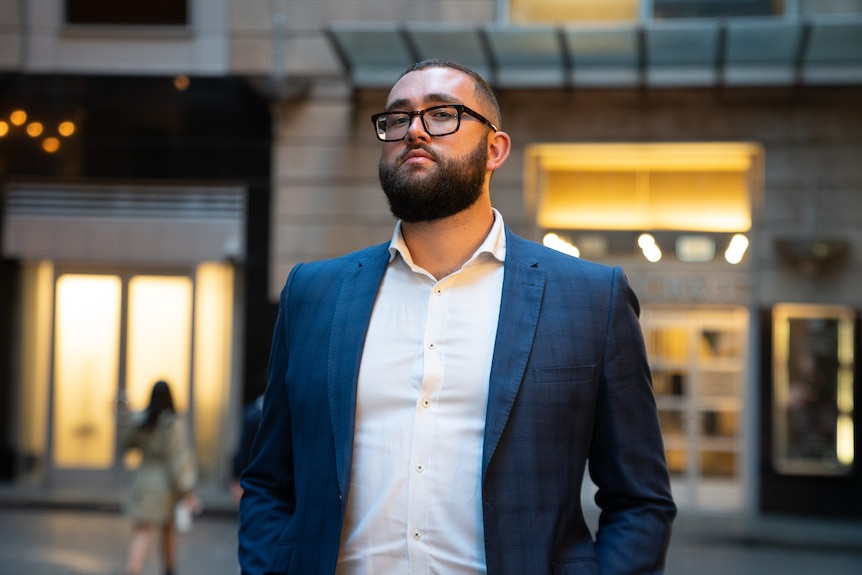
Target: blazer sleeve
x=269, y=499
x=627, y=461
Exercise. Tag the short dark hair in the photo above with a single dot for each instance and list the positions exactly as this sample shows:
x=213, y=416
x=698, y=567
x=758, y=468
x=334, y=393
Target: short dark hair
x=483, y=90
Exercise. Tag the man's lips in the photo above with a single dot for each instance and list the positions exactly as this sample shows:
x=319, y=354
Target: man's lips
x=416, y=156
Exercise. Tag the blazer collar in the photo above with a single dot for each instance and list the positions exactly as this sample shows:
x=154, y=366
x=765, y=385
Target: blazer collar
x=523, y=287
x=356, y=297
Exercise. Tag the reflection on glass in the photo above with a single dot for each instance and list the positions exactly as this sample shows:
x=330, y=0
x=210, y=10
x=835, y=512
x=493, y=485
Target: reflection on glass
x=813, y=389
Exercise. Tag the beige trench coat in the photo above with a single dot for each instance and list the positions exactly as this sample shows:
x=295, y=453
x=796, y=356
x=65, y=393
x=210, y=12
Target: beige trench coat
x=167, y=471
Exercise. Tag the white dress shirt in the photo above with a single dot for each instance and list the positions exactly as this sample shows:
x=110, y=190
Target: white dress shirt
x=415, y=504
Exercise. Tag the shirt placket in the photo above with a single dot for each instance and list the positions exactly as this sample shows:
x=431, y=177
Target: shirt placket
x=421, y=461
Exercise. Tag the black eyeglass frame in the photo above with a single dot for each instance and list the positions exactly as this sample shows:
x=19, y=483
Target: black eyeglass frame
x=462, y=109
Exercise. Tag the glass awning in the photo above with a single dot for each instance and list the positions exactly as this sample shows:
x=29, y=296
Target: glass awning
x=703, y=52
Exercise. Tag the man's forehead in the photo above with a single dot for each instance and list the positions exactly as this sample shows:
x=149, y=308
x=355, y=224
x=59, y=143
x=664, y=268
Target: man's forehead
x=431, y=86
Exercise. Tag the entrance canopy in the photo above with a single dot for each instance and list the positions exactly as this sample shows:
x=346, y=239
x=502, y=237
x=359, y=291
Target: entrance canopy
x=765, y=51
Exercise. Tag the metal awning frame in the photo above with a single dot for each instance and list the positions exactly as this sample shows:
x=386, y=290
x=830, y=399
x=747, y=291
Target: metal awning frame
x=765, y=51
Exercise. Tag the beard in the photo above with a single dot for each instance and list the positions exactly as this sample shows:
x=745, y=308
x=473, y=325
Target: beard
x=453, y=185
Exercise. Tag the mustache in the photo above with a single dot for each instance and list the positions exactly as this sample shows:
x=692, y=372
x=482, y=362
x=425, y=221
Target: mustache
x=403, y=156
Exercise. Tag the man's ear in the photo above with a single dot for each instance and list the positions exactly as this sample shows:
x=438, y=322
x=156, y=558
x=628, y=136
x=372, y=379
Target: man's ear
x=499, y=146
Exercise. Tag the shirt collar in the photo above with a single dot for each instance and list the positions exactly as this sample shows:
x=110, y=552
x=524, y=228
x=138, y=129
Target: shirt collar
x=494, y=244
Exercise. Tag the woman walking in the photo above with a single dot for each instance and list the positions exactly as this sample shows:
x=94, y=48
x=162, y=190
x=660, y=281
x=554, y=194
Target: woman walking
x=167, y=475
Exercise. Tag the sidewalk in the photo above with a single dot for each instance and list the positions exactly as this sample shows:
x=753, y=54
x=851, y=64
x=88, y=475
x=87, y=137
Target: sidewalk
x=87, y=528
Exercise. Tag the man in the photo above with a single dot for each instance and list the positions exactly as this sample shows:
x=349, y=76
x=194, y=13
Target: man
x=433, y=401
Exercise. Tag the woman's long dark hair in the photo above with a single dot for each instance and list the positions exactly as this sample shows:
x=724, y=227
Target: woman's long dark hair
x=160, y=400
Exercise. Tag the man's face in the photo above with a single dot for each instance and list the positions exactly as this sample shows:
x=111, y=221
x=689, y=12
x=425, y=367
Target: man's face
x=427, y=178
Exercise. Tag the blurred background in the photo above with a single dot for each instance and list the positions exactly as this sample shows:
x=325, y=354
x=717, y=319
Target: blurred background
x=164, y=164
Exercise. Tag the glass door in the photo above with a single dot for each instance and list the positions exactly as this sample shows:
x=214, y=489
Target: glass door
x=698, y=358
x=114, y=336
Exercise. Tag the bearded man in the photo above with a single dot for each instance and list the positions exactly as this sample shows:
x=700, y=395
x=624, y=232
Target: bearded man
x=434, y=401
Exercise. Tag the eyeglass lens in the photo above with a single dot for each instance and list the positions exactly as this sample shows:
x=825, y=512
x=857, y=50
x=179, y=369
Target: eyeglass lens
x=438, y=121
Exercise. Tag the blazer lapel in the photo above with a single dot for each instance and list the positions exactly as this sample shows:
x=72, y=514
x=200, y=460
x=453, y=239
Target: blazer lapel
x=523, y=286
x=356, y=297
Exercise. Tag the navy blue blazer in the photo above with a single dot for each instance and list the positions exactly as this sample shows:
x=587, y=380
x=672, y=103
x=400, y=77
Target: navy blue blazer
x=570, y=386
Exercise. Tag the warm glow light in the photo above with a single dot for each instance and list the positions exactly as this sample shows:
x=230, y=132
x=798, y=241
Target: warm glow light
x=681, y=187
x=181, y=83
x=159, y=337
x=66, y=128
x=86, y=356
x=649, y=248
x=645, y=240
x=554, y=241
x=51, y=145
x=212, y=369
x=736, y=249
x=4, y=128
x=18, y=117
x=844, y=440
x=34, y=129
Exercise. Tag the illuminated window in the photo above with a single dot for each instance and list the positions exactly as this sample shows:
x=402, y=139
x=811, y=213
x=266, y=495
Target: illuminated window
x=704, y=187
x=110, y=12
x=553, y=11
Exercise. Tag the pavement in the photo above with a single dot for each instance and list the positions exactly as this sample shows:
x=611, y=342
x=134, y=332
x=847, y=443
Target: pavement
x=52, y=532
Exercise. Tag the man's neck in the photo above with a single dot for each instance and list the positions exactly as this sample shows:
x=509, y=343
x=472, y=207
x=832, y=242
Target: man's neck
x=441, y=247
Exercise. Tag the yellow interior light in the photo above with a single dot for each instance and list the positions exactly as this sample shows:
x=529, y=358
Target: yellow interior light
x=4, y=128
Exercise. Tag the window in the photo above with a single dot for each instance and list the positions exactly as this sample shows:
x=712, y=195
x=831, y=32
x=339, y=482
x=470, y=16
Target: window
x=553, y=11
x=111, y=12
x=716, y=8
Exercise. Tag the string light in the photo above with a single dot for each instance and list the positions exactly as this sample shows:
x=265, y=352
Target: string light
x=66, y=128
x=18, y=117
x=36, y=129
x=51, y=144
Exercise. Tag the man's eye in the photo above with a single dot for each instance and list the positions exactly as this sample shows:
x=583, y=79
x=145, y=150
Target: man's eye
x=443, y=115
x=395, y=121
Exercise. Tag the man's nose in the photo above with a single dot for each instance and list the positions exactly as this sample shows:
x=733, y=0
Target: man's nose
x=416, y=129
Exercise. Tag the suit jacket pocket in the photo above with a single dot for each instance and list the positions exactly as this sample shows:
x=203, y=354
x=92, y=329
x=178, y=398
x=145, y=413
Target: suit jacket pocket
x=570, y=388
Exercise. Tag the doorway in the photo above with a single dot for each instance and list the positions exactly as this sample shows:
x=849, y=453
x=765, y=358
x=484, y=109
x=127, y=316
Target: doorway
x=114, y=335
x=698, y=357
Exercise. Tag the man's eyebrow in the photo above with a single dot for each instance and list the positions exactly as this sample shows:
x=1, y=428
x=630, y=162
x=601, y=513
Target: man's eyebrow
x=436, y=98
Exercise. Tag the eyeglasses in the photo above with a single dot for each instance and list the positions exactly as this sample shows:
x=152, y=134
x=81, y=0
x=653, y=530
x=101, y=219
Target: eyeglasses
x=437, y=120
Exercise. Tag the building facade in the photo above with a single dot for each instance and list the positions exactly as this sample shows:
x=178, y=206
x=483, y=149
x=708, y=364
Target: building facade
x=712, y=149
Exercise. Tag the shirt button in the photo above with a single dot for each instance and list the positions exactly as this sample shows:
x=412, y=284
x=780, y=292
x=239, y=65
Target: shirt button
x=420, y=468
x=438, y=291
x=426, y=403
x=431, y=346
x=417, y=535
